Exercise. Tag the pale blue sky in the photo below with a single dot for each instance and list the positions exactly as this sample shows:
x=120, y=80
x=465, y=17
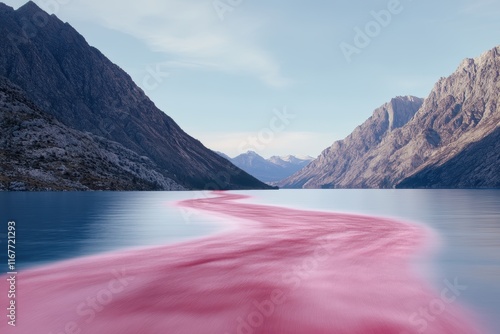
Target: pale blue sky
x=226, y=78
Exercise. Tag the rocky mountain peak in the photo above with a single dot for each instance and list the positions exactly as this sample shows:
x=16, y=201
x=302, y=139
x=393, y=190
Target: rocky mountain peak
x=472, y=64
x=459, y=118
x=252, y=153
x=467, y=63
x=30, y=8
x=290, y=159
x=385, y=119
x=74, y=82
x=250, y=157
x=472, y=87
x=5, y=9
x=401, y=109
x=488, y=56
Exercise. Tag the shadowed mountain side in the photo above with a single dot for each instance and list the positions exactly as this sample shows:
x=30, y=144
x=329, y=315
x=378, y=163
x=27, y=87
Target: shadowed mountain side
x=477, y=166
x=77, y=84
x=40, y=153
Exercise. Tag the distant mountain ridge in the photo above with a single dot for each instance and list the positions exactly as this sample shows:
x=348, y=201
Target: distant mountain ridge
x=434, y=144
x=269, y=170
x=65, y=77
x=290, y=160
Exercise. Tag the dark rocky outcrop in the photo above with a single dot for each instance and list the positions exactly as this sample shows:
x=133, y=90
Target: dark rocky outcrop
x=37, y=152
x=477, y=166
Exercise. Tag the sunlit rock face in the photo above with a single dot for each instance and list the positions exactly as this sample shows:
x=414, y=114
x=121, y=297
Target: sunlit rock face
x=449, y=142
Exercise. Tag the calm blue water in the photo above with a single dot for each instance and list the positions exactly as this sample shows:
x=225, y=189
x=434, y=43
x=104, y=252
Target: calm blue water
x=56, y=226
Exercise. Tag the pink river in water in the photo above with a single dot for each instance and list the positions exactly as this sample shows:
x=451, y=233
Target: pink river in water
x=280, y=270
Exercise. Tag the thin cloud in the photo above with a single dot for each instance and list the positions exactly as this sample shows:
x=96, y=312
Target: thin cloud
x=296, y=143
x=481, y=7
x=191, y=33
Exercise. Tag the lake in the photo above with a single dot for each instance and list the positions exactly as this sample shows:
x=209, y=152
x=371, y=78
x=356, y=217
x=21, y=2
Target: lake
x=464, y=227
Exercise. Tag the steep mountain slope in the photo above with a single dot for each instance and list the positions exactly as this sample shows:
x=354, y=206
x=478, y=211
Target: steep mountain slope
x=40, y=153
x=225, y=156
x=477, y=166
x=67, y=78
x=460, y=112
x=338, y=165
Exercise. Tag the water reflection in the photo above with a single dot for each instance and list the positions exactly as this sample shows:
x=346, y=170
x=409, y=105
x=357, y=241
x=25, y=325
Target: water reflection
x=57, y=226
x=467, y=223
x=144, y=219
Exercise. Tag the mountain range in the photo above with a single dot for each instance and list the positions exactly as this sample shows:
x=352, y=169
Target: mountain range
x=58, y=74
x=448, y=140
x=70, y=119
x=269, y=170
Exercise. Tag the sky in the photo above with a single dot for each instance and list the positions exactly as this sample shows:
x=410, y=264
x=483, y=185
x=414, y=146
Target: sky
x=281, y=77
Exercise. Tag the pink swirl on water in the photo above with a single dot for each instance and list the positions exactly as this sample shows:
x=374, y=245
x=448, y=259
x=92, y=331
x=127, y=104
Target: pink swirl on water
x=281, y=271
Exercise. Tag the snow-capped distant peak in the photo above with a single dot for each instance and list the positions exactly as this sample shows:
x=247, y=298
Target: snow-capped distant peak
x=251, y=153
x=292, y=158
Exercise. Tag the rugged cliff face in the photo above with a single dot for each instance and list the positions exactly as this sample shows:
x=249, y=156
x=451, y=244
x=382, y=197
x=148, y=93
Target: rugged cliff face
x=74, y=82
x=339, y=165
x=40, y=153
x=464, y=111
x=477, y=166
x=460, y=112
